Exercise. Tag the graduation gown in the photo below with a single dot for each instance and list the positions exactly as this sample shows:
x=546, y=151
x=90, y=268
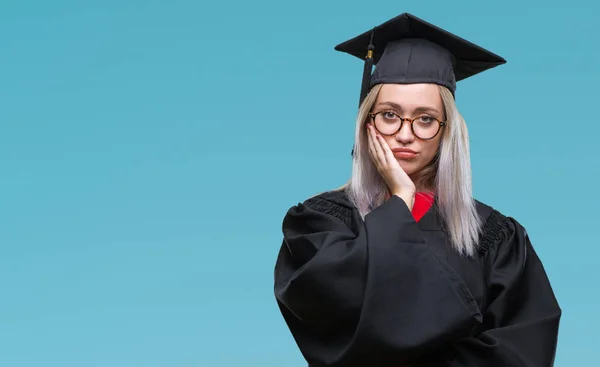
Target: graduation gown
x=391, y=291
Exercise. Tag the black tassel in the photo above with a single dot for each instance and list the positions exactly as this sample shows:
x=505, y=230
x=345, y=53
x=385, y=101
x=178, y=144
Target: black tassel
x=366, y=79
x=367, y=71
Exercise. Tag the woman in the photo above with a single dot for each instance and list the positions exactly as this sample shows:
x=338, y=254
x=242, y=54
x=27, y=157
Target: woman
x=401, y=266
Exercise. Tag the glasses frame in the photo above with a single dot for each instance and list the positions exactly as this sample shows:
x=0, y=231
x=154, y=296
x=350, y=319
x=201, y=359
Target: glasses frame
x=402, y=119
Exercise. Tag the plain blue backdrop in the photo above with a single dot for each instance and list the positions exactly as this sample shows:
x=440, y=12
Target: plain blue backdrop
x=149, y=150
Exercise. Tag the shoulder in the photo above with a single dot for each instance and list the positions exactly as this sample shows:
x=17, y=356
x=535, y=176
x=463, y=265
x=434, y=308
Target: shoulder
x=498, y=229
x=334, y=203
x=331, y=198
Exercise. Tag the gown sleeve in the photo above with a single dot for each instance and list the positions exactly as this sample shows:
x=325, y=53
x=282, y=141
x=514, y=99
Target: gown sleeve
x=366, y=293
x=521, y=322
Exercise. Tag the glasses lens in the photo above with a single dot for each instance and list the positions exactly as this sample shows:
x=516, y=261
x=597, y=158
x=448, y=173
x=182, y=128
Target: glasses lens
x=426, y=127
x=387, y=123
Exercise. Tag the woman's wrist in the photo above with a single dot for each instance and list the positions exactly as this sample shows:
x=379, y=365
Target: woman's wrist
x=407, y=196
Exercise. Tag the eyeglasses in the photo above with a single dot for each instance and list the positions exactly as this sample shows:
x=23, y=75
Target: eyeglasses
x=423, y=127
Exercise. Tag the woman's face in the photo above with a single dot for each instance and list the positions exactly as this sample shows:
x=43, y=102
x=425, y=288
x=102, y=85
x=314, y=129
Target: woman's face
x=411, y=101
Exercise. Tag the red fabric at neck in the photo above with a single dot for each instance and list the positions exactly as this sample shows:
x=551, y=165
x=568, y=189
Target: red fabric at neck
x=423, y=202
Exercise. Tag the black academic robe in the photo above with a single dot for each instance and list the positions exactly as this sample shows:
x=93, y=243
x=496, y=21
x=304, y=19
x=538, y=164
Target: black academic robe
x=391, y=291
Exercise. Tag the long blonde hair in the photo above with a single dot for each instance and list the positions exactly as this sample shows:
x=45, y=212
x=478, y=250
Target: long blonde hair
x=448, y=175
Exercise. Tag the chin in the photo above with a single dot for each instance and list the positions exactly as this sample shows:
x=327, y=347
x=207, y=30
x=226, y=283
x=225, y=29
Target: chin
x=410, y=167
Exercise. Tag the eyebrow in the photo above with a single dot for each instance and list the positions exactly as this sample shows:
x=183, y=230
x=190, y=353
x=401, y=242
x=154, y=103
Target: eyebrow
x=418, y=109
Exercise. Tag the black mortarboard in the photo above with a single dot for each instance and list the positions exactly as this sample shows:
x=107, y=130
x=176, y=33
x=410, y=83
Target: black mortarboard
x=407, y=49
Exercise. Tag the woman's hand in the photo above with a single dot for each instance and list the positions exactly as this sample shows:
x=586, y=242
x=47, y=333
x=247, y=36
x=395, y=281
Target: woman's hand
x=396, y=179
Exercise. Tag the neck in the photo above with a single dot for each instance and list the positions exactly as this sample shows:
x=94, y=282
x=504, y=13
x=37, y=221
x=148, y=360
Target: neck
x=420, y=185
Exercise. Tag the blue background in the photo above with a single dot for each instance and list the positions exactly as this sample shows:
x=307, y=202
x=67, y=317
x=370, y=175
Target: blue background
x=149, y=150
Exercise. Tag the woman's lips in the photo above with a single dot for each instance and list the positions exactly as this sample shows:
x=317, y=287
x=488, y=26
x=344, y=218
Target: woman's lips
x=404, y=153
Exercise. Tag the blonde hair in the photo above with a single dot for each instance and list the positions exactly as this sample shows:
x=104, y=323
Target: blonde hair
x=448, y=175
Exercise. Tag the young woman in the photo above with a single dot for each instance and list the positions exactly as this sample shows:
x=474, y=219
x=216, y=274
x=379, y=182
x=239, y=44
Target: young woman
x=402, y=266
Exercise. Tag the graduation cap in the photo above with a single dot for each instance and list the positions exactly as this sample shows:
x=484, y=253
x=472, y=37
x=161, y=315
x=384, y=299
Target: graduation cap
x=409, y=50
